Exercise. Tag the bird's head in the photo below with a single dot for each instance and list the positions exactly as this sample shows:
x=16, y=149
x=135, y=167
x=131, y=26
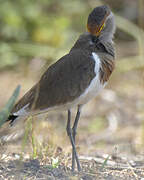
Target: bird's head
x=101, y=22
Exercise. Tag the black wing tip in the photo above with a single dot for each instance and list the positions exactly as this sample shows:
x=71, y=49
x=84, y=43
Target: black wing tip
x=11, y=118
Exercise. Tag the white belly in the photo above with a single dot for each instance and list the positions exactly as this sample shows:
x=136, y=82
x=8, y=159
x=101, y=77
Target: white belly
x=92, y=91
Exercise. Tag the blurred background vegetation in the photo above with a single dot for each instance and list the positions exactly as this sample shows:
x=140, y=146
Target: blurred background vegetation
x=34, y=34
x=48, y=28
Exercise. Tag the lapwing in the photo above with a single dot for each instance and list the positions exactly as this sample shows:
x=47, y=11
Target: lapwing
x=72, y=81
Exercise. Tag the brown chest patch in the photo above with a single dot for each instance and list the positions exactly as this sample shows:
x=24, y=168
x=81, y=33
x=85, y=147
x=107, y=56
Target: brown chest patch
x=107, y=67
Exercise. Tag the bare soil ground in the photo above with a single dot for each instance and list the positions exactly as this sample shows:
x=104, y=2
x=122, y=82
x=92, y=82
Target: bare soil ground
x=91, y=169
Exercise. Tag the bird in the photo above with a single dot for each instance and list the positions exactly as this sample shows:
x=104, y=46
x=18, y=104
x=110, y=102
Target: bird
x=72, y=81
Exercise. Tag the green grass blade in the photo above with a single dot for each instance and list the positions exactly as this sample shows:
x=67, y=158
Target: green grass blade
x=8, y=107
x=105, y=162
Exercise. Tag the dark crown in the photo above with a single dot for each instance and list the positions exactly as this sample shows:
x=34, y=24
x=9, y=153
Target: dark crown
x=98, y=14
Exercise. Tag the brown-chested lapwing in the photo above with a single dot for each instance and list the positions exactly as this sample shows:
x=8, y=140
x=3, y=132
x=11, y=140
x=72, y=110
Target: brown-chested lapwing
x=72, y=81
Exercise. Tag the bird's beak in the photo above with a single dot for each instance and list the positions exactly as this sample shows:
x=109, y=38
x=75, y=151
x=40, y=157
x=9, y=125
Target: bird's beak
x=99, y=30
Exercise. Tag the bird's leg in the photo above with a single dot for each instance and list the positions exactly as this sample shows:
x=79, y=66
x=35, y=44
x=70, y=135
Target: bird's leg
x=74, y=128
x=69, y=132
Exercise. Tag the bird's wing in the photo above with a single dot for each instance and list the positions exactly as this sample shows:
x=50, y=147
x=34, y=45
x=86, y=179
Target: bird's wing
x=64, y=81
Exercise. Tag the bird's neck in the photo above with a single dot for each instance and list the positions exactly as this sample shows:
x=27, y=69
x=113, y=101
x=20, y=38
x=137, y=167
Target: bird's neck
x=108, y=32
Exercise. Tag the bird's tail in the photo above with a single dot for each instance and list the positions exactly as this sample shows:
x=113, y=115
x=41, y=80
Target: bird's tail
x=12, y=129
